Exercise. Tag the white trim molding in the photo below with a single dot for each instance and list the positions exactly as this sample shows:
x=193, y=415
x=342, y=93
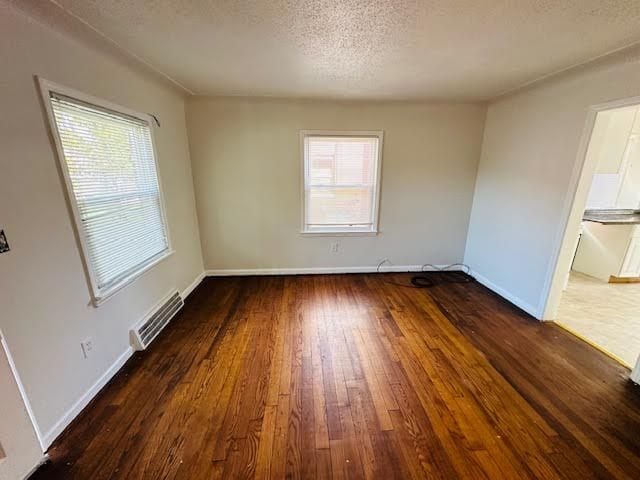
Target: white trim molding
x=44, y=459
x=185, y=293
x=318, y=270
x=635, y=373
x=23, y=393
x=518, y=302
x=83, y=401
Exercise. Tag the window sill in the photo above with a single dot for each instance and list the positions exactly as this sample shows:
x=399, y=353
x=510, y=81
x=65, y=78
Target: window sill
x=339, y=234
x=107, y=294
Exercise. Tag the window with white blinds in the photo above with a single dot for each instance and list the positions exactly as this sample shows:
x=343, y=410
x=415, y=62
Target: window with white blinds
x=341, y=182
x=110, y=171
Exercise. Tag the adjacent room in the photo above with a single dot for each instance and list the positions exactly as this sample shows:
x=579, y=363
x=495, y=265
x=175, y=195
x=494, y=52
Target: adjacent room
x=601, y=297
x=337, y=239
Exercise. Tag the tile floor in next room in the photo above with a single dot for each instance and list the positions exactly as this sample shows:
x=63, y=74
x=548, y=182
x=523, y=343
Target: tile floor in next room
x=606, y=314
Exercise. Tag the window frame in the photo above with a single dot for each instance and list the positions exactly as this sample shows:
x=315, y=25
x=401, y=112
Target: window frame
x=341, y=231
x=99, y=295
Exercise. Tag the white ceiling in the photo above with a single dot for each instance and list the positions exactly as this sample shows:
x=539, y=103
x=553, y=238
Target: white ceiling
x=383, y=49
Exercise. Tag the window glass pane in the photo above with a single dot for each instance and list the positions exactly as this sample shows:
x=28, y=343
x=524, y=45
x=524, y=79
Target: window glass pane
x=340, y=206
x=340, y=182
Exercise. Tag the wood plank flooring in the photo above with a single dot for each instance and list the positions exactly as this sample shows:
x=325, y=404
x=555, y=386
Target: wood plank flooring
x=356, y=376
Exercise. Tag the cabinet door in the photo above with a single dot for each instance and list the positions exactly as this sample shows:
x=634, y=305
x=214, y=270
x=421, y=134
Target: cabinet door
x=610, y=137
x=629, y=191
x=631, y=264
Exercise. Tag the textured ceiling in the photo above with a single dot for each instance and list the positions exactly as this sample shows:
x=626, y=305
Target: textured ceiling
x=386, y=49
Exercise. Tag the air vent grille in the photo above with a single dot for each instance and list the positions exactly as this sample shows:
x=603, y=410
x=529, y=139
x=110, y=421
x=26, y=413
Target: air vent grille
x=149, y=328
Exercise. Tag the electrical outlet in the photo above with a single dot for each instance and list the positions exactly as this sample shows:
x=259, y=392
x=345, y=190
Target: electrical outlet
x=87, y=347
x=335, y=246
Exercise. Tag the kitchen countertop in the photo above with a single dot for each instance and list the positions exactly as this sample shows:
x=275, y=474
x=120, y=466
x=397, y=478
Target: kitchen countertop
x=613, y=216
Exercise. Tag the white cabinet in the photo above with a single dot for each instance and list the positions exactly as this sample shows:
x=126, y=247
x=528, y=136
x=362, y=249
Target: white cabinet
x=608, y=250
x=615, y=144
x=631, y=263
x=609, y=139
x=629, y=191
x=636, y=125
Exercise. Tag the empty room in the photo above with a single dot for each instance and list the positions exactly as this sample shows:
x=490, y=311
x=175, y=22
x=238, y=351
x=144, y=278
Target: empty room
x=319, y=239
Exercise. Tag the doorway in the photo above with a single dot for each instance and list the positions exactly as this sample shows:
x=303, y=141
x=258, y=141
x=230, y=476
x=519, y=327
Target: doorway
x=595, y=291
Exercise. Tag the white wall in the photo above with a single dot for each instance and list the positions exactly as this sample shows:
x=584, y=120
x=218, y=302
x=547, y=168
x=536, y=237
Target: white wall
x=44, y=299
x=246, y=162
x=527, y=169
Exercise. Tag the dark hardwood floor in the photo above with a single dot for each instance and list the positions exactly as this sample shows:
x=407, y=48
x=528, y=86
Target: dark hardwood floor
x=356, y=376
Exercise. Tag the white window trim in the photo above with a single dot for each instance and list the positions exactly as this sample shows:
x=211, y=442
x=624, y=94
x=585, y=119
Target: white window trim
x=350, y=231
x=99, y=296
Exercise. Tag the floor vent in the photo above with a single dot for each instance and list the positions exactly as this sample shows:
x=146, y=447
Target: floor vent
x=144, y=333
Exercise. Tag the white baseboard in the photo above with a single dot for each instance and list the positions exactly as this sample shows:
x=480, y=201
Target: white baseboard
x=185, y=293
x=315, y=270
x=530, y=309
x=42, y=461
x=73, y=412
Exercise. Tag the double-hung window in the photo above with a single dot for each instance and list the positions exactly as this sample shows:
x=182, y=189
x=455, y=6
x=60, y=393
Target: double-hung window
x=107, y=156
x=341, y=182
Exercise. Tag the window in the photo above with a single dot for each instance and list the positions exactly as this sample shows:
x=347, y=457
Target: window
x=341, y=182
x=107, y=156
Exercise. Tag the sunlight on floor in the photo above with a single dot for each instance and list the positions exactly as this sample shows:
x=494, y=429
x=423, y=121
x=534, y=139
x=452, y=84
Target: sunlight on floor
x=607, y=314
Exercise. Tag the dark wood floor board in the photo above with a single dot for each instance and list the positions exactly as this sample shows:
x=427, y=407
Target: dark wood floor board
x=356, y=377
x=556, y=401
x=277, y=468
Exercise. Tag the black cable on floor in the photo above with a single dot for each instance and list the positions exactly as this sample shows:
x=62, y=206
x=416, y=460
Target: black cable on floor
x=431, y=279
x=436, y=275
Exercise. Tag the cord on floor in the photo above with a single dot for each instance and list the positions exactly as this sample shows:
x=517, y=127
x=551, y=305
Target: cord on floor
x=456, y=273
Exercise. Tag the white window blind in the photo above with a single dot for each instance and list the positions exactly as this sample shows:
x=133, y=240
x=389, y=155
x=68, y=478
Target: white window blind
x=110, y=166
x=340, y=183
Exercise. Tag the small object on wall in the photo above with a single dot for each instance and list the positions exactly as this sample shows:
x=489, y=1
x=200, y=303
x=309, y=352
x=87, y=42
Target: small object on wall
x=4, y=245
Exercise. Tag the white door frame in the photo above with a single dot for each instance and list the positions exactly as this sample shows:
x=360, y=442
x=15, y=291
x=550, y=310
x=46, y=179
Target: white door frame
x=5, y=348
x=635, y=374
x=572, y=212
